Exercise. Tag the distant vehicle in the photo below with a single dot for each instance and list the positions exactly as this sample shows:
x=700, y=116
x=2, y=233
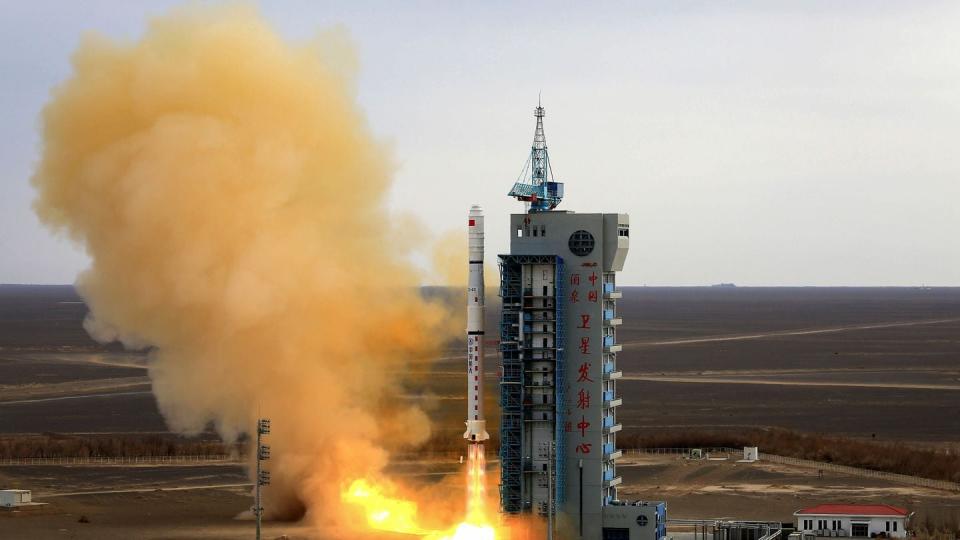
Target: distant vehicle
x=725, y=285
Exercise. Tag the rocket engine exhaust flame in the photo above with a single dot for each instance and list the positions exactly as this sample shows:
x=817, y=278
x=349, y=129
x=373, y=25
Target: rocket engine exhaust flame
x=233, y=203
x=385, y=512
x=476, y=526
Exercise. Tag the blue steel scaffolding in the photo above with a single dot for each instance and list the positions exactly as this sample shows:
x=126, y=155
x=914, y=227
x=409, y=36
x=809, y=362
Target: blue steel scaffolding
x=512, y=399
x=511, y=387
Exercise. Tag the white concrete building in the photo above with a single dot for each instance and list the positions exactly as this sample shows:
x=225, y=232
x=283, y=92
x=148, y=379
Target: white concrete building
x=856, y=520
x=10, y=498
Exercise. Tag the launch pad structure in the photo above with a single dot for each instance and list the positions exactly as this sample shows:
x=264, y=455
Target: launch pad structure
x=558, y=353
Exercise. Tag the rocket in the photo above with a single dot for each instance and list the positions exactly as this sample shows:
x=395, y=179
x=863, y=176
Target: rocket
x=476, y=424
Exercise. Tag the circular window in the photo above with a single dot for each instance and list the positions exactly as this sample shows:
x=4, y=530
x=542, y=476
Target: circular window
x=642, y=520
x=581, y=243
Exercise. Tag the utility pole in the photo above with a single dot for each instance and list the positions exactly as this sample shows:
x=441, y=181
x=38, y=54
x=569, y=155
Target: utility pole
x=580, y=499
x=263, y=476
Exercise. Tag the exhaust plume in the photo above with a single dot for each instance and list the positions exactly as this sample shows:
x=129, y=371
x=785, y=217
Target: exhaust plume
x=232, y=200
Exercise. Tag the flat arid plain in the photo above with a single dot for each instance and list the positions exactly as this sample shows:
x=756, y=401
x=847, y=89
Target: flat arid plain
x=877, y=364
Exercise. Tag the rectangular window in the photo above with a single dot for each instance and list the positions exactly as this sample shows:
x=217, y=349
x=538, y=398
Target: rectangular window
x=545, y=290
x=888, y=526
x=519, y=232
x=544, y=343
x=543, y=230
x=610, y=533
x=894, y=526
x=534, y=231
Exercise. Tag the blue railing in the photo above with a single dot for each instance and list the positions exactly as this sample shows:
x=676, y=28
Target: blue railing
x=608, y=287
x=608, y=395
x=607, y=421
x=607, y=475
x=608, y=367
x=607, y=314
x=608, y=448
x=608, y=341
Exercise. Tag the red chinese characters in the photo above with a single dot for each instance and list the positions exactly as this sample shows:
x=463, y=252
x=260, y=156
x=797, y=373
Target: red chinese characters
x=582, y=338
x=584, y=321
x=583, y=399
x=582, y=425
x=584, y=373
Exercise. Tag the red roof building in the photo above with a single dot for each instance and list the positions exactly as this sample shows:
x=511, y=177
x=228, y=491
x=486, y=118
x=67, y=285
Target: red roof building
x=853, y=510
x=853, y=520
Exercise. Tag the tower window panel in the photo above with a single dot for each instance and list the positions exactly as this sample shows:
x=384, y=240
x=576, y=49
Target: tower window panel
x=581, y=243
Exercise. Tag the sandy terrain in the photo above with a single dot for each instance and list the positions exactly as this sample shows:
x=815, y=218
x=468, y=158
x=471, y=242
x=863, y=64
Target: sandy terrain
x=764, y=491
x=861, y=362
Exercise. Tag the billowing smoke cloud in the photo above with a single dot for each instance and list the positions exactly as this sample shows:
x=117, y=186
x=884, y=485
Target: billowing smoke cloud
x=232, y=200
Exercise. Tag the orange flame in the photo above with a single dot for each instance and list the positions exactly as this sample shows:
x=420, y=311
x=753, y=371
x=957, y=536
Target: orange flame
x=387, y=513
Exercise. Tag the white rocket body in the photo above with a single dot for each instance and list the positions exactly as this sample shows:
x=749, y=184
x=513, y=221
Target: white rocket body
x=476, y=423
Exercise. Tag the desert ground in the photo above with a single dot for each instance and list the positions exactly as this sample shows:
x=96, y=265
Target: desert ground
x=879, y=363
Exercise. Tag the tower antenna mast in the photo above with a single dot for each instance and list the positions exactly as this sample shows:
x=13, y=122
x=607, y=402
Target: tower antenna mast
x=536, y=184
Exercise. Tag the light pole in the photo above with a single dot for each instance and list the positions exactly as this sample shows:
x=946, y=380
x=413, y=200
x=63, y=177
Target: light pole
x=263, y=476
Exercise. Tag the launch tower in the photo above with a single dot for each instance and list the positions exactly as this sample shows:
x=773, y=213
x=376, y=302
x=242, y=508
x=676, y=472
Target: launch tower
x=558, y=348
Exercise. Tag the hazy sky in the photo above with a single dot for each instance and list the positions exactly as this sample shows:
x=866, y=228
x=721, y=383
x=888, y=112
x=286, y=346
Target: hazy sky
x=761, y=143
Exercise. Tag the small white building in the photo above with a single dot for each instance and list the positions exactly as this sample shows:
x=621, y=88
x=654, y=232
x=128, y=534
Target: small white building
x=751, y=453
x=856, y=520
x=10, y=498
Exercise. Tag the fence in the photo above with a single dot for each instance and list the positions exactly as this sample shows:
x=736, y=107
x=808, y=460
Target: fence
x=819, y=465
x=704, y=449
x=863, y=473
x=133, y=460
